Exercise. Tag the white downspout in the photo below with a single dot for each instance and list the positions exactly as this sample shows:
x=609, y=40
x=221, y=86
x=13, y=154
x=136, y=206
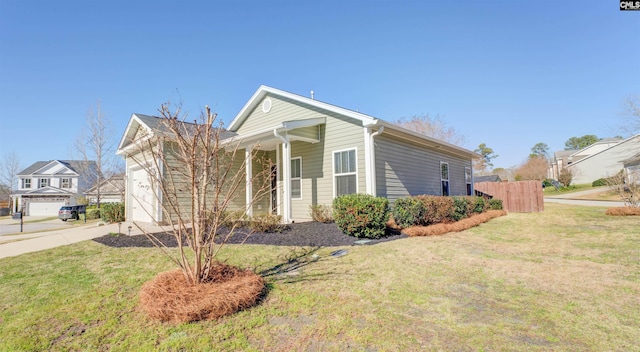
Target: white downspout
x=286, y=177
x=370, y=159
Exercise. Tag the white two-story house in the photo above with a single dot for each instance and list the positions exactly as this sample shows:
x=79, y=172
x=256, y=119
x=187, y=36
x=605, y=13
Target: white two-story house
x=45, y=186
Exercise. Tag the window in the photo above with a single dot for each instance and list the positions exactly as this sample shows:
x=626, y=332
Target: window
x=44, y=182
x=467, y=178
x=296, y=178
x=65, y=183
x=26, y=183
x=344, y=171
x=444, y=172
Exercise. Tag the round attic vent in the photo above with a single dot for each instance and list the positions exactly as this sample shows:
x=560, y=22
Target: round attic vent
x=266, y=105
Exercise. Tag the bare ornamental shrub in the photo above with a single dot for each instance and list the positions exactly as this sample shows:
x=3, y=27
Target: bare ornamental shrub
x=321, y=213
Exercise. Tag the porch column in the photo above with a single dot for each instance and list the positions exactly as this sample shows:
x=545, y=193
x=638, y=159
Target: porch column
x=249, y=184
x=286, y=177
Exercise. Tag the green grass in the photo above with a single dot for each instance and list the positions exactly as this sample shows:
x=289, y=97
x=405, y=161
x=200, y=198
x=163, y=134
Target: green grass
x=551, y=191
x=566, y=279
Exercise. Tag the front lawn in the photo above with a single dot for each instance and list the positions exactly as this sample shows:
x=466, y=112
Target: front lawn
x=565, y=279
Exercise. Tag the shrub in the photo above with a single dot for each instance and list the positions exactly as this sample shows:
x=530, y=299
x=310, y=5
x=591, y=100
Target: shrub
x=231, y=218
x=321, y=213
x=361, y=215
x=460, y=208
x=267, y=223
x=480, y=205
x=408, y=212
x=112, y=212
x=437, y=209
x=565, y=177
x=599, y=182
x=93, y=214
x=495, y=204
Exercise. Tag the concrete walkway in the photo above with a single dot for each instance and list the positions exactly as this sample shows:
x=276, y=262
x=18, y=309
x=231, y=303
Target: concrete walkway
x=33, y=242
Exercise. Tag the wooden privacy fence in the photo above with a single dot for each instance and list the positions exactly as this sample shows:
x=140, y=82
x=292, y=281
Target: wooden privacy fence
x=517, y=197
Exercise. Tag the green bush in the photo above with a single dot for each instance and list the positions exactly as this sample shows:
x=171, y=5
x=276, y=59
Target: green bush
x=93, y=214
x=460, y=208
x=267, y=223
x=321, y=213
x=480, y=205
x=599, y=182
x=361, y=215
x=112, y=212
x=408, y=212
x=495, y=204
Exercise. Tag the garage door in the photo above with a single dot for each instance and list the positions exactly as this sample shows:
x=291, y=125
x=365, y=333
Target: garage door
x=44, y=208
x=142, y=201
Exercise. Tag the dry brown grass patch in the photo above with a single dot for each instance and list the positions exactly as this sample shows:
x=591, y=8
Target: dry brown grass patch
x=623, y=211
x=168, y=297
x=464, y=224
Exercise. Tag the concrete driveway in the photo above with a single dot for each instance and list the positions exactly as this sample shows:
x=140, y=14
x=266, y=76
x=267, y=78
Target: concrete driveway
x=570, y=198
x=10, y=226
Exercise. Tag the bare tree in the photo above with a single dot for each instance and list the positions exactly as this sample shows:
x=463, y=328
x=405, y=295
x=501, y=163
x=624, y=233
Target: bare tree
x=433, y=127
x=9, y=168
x=627, y=186
x=199, y=174
x=95, y=143
x=631, y=114
x=535, y=168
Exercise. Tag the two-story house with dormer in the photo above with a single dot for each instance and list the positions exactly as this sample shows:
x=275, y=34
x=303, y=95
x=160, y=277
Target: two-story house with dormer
x=45, y=186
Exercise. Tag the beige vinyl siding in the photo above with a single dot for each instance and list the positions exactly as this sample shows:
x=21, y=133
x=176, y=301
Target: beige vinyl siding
x=404, y=169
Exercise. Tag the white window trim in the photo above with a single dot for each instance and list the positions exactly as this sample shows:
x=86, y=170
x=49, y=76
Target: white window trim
x=62, y=182
x=467, y=171
x=24, y=183
x=40, y=182
x=333, y=169
x=296, y=178
x=445, y=179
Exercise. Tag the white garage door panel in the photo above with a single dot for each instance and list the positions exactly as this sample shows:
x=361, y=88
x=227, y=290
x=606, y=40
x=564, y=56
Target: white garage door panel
x=143, y=199
x=44, y=208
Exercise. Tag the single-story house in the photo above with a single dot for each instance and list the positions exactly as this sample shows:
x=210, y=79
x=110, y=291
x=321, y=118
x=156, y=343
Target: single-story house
x=45, y=186
x=112, y=190
x=320, y=151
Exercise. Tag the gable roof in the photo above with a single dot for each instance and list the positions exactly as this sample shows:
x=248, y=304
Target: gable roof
x=153, y=125
x=73, y=165
x=617, y=145
x=113, y=185
x=365, y=120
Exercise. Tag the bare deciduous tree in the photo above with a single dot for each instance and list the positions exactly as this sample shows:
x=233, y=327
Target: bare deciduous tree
x=627, y=186
x=95, y=143
x=631, y=114
x=535, y=168
x=9, y=168
x=433, y=127
x=199, y=174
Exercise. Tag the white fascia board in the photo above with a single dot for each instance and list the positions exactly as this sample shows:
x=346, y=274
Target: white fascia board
x=292, y=125
x=36, y=172
x=264, y=90
x=266, y=134
x=129, y=130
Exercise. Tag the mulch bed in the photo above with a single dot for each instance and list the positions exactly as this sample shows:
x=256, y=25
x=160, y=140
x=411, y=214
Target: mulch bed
x=312, y=234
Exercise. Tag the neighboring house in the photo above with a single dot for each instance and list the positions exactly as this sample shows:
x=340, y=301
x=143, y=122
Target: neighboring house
x=45, y=186
x=111, y=191
x=488, y=178
x=564, y=158
x=632, y=168
x=329, y=151
x=604, y=162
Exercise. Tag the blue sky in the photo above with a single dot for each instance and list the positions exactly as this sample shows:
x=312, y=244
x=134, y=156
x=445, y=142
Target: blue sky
x=506, y=73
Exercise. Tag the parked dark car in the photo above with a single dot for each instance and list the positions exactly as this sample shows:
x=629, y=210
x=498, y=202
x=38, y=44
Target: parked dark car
x=71, y=212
